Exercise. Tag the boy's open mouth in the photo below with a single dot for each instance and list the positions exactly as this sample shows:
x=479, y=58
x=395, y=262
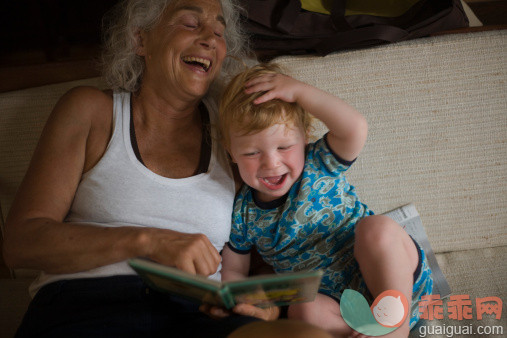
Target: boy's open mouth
x=205, y=64
x=274, y=182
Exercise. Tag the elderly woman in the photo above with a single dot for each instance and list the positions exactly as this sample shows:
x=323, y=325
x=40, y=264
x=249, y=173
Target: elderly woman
x=129, y=172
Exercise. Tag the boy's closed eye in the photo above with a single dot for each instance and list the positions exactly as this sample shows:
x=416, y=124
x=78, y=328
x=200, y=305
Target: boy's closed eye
x=285, y=147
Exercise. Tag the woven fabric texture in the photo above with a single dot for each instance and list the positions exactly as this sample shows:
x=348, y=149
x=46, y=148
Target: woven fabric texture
x=437, y=114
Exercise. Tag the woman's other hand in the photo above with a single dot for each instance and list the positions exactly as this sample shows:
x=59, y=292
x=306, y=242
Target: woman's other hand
x=192, y=253
x=270, y=313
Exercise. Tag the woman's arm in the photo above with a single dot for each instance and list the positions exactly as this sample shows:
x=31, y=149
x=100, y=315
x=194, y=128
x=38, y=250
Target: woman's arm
x=72, y=142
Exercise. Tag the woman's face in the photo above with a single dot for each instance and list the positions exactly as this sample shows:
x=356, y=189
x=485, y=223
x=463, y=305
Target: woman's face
x=185, y=50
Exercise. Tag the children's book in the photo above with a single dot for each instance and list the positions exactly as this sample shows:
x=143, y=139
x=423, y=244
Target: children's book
x=262, y=290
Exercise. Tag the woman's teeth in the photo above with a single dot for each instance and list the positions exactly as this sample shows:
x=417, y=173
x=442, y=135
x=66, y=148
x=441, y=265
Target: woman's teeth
x=204, y=63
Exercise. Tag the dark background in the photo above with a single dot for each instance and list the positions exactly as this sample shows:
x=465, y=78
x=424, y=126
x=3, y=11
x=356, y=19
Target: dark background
x=39, y=31
x=44, y=31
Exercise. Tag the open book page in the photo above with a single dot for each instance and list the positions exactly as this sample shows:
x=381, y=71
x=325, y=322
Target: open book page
x=284, y=289
x=408, y=217
x=265, y=290
x=174, y=281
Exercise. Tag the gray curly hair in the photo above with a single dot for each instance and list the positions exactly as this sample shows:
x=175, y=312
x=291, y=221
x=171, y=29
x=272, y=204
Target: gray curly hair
x=123, y=69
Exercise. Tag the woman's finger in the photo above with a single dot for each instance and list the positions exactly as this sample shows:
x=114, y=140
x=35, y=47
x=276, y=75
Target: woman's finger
x=270, y=313
x=214, y=311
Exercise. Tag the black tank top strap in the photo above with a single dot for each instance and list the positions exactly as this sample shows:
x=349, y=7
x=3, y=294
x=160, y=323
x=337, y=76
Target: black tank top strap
x=206, y=141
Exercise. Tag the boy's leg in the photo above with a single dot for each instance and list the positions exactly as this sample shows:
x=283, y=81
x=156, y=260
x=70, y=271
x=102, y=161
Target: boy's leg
x=278, y=329
x=387, y=258
x=323, y=312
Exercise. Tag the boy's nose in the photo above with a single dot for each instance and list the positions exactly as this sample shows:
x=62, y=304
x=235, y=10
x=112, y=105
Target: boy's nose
x=270, y=161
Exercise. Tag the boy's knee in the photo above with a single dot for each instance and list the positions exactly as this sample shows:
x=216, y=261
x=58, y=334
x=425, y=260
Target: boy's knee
x=378, y=231
x=378, y=234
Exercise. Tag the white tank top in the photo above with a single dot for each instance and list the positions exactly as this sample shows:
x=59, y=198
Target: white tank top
x=120, y=191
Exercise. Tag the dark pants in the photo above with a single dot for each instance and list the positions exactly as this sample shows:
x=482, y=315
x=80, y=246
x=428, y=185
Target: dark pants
x=121, y=306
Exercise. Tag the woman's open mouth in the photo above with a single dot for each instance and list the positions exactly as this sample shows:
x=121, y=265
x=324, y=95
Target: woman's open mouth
x=274, y=182
x=197, y=62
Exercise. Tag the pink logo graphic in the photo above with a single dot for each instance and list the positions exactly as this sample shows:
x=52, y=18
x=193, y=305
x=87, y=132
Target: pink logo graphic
x=390, y=308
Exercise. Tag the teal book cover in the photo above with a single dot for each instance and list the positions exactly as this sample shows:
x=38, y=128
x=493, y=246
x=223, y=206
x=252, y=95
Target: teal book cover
x=262, y=290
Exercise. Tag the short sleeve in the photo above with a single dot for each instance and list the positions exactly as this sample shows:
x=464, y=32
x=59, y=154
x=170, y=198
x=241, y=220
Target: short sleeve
x=320, y=155
x=238, y=239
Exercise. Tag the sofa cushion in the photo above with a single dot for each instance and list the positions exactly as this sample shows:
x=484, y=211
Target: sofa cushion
x=437, y=112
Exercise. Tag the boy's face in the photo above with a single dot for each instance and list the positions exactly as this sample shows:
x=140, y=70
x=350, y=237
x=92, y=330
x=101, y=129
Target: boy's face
x=271, y=160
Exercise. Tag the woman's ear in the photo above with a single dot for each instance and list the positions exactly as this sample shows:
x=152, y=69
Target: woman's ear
x=140, y=39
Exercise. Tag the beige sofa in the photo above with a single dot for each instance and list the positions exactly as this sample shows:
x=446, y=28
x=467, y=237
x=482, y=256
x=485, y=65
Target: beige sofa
x=437, y=111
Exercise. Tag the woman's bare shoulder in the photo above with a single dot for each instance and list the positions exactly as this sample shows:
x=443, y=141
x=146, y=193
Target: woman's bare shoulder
x=84, y=101
x=85, y=114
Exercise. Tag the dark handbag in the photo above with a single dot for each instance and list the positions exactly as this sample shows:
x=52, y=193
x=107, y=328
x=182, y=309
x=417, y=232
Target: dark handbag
x=282, y=27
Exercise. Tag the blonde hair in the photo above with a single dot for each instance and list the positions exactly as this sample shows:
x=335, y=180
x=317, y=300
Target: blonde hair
x=238, y=112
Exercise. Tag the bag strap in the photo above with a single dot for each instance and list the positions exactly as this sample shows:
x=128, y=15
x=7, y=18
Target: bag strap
x=338, y=15
x=288, y=16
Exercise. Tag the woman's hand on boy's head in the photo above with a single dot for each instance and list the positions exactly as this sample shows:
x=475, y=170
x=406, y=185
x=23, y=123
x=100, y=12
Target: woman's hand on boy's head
x=276, y=86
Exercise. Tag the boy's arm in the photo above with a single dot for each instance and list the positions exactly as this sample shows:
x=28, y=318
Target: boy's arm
x=234, y=265
x=347, y=126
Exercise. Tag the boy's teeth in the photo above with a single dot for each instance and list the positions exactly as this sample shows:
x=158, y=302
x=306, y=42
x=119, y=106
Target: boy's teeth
x=274, y=180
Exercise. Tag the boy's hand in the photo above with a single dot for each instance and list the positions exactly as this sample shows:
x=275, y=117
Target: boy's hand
x=276, y=86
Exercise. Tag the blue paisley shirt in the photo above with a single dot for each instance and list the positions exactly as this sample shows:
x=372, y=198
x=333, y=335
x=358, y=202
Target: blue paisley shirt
x=313, y=228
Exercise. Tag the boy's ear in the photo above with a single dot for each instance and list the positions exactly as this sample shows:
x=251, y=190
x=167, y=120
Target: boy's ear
x=231, y=157
x=229, y=154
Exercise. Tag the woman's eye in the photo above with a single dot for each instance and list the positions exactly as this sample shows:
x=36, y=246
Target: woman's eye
x=189, y=21
x=219, y=32
x=190, y=24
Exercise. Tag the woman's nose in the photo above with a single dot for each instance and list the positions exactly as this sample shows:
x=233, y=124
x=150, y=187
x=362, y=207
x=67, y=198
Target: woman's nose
x=208, y=37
